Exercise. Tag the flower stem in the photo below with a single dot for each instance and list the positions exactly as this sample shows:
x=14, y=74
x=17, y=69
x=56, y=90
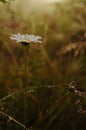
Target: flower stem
x=25, y=83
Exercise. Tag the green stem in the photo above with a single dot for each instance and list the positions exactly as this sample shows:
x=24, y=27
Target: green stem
x=25, y=58
x=25, y=82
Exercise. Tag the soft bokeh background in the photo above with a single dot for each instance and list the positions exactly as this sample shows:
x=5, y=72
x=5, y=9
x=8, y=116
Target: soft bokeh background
x=51, y=66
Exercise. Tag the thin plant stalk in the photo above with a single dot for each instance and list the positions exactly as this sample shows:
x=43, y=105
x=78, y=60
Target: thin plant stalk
x=25, y=82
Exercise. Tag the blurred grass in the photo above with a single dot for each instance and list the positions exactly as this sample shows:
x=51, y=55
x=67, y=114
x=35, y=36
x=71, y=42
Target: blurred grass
x=55, y=62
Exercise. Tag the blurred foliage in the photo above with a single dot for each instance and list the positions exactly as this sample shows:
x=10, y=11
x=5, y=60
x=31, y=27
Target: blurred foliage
x=51, y=66
x=5, y=1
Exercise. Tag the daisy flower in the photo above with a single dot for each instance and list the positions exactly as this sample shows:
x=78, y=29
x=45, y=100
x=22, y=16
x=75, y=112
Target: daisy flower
x=26, y=39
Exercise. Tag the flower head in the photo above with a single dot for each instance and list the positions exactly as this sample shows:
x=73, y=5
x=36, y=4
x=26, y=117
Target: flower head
x=26, y=39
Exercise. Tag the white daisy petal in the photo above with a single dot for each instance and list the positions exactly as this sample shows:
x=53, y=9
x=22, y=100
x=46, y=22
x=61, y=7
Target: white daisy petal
x=26, y=38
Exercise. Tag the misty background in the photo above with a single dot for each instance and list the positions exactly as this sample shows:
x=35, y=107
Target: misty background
x=28, y=6
x=56, y=69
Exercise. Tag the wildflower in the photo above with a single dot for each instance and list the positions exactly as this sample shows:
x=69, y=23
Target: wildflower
x=26, y=39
